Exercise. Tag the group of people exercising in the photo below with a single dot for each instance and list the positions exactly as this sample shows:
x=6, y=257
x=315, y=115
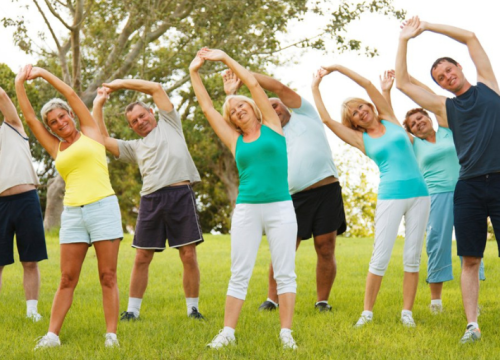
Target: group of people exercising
x=288, y=188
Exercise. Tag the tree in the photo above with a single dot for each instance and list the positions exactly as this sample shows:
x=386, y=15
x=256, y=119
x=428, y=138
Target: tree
x=156, y=40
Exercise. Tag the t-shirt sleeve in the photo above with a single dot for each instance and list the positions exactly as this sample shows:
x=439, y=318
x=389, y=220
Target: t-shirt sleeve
x=127, y=151
x=173, y=119
x=306, y=109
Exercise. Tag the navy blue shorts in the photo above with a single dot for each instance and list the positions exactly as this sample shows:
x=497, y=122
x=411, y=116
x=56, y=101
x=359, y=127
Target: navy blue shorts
x=475, y=200
x=319, y=211
x=21, y=215
x=169, y=213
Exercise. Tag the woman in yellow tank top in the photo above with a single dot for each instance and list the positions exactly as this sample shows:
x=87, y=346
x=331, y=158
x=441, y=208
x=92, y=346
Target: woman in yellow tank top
x=91, y=213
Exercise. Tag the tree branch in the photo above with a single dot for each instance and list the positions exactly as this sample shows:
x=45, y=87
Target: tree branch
x=54, y=12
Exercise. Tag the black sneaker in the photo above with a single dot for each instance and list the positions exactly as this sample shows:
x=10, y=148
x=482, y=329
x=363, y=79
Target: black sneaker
x=323, y=307
x=127, y=316
x=195, y=314
x=267, y=306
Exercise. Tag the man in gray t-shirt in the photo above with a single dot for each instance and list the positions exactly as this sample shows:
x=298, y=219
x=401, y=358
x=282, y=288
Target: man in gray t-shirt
x=168, y=204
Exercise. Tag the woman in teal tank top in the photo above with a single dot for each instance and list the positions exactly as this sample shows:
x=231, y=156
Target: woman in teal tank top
x=375, y=131
x=251, y=130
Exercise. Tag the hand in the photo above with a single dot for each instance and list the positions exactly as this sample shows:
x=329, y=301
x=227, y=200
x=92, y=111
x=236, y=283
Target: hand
x=23, y=73
x=212, y=54
x=317, y=77
x=113, y=86
x=232, y=83
x=325, y=70
x=411, y=28
x=34, y=73
x=197, y=63
x=387, y=80
x=102, y=96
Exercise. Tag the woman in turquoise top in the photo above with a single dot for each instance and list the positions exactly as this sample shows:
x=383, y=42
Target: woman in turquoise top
x=252, y=132
x=375, y=131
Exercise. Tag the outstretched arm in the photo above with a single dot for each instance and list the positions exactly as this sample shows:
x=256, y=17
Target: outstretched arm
x=224, y=131
x=441, y=119
x=386, y=82
x=49, y=142
x=154, y=89
x=270, y=118
x=98, y=114
x=425, y=99
x=9, y=112
x=289, y=97
x=350, y=136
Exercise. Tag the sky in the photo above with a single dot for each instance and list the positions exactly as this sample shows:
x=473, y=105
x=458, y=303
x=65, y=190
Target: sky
x=381, y=32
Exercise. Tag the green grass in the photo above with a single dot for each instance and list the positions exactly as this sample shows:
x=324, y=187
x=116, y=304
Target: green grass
x=166, y=333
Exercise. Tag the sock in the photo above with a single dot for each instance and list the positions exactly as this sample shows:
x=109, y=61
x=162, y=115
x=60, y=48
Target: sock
x=322, y=302
x=285, y=331
x=406, y=312
x=190, y=303
x=367, y=314
x=474, y=325
x=134, y=305
x=52, y=336
x=275, y=304
x=437, y=302
x=31, y=307
x=112, y=336
x=228, y=331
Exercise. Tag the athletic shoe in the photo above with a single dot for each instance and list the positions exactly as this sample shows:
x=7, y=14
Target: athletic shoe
x=436, y=309
x=323, y=307
x=408, y=321
x=471, y=335
x=288, y=341
x=44, y=342
x=267, y=306
x=111, y=341
x=363, y=320
x=34, y=316
x=195, y=314
x=126, y=316
x=221, y=340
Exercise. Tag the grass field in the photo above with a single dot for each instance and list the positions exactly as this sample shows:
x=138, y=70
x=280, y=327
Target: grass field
x=164, y=331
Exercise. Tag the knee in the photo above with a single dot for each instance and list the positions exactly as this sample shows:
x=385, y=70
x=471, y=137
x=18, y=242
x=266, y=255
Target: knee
x=108, y=278
x=470, y=262
x=325, y=246
x=68, y=281
x=30, y=266
x=143, y=258
x=188, y=255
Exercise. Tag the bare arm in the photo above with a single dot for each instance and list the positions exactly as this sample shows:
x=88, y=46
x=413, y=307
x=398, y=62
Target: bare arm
x=289, y=97
x=49, y=142
x=386, y=82
x=9, y=112
x=350, y=136
x=231, y=82
x=98, y=114
x=441, y=119
x=224, y=131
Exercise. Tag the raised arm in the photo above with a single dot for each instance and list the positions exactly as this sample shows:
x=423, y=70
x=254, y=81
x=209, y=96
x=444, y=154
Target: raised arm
x=270, y=118
x=350, y=136
x=224, y=131
x=9, y=112
x=289, y=97
x=386, y=82
x=49, y=142
x=98, y=114
x=441, y=119
x=432, y=102
x=151, y=88
x=231, y=82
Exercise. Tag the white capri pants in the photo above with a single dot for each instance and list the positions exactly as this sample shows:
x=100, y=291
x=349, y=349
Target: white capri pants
x=249, y=221
x=388, y=216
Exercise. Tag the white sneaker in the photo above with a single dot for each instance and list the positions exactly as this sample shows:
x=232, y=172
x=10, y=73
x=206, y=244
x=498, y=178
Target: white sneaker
x=111, y=341
x=47, y=342
x=408, y=321
x=288, y=341
x=436, y=309
x=221, y=340
x=34, y=316
x=363, y=320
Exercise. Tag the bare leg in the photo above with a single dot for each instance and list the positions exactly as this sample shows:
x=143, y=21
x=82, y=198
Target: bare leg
x=436, y=290
x=31, y=280
x=273, y=287
x=140, y=272
x=191, y=276
x=410, y=284
x=287, y=305
x=72, y=256
x=232, y=311
x=107, y=259
x=373, y=283
x=470, y=286
x=326, y=269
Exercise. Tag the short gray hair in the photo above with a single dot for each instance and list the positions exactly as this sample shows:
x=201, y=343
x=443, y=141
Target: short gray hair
x=52, y=105
x=131, y=106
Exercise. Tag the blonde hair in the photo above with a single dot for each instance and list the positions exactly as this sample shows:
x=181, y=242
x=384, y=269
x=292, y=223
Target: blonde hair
x=226, y=108
x=52, y=105
x=346, y=113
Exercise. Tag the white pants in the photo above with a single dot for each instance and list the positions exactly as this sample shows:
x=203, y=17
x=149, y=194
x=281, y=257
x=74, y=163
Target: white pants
x=388, y=216
x=249, y=221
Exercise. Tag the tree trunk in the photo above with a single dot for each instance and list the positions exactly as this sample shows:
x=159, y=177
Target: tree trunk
x=54, y=207
x=227, y=172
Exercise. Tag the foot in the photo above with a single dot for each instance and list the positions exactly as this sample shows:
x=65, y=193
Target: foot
x=323, y=307
x=288, y=341
x=471, y=335
x=111, y=341
x=267, y=306
x=34, y=316
x=436, y=309
x=363, y=320
x=408, y=321
x=195, y=314
x=127, y=316
x=47, y=342
x=221, y=340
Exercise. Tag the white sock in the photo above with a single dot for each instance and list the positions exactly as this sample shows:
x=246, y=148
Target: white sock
x=134, y=305
x=275, y=304
x=52, y=336
x=368, y=314
x=437, y=302
x=285, y=331
x=112, y=336
x=190, y=303
x=228, y=331
x=322, y=302
x=406, y=312
x=474, y=325
x=31, y=307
